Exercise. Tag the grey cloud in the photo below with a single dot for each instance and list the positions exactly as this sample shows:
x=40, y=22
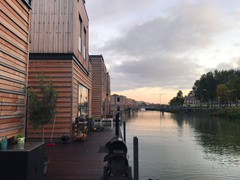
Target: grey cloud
x=168, y=72
x=157, y=46
x=104, y=10
x=225, y=66
x=233, y=63
x=188, y=26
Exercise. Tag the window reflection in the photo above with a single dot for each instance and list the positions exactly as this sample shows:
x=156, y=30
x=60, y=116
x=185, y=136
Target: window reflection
x=82, y=101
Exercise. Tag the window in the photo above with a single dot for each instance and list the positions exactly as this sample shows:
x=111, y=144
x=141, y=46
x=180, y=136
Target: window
x=84, y=44
x=82, y=101
x=80, y=35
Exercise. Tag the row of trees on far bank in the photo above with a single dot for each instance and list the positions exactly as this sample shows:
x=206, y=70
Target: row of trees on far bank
x=219, y=86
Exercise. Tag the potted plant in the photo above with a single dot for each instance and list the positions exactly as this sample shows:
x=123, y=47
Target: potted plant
x=20, y=138
x=42, y=104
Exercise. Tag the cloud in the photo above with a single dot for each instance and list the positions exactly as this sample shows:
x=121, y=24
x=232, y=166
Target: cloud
x=186, y=26
x=234, y=63
x=168, y=72
x=155, y=47
x=115, y=10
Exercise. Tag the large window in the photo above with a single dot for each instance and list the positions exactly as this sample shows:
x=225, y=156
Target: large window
x=80, y=35
x=82, y=101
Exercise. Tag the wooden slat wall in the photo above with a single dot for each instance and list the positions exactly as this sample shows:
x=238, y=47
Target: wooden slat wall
x=86, y=80
x=14, y=37
x=51, y=26
x=96, y=87
x=108, y=98
x=54, y=29
x=99, y=81
x=61, y=73
x=104, y=89
x=79, y=9
x=78, y=75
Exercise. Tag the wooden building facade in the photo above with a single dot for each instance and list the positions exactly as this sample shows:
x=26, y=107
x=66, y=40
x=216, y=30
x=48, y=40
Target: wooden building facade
x=14, y=51
x=59, y=48
x=101, y=88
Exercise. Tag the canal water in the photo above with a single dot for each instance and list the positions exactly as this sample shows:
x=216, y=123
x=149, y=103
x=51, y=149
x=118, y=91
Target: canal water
x=184, y=147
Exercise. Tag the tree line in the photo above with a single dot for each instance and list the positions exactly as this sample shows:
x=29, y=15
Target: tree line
x=222, y=86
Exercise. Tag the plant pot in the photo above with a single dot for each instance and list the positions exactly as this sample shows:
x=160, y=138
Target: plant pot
x=4, y=142
x=21, y=141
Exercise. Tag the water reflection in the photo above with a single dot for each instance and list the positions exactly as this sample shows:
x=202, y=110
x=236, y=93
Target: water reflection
x=216, y=135
x=181, y=146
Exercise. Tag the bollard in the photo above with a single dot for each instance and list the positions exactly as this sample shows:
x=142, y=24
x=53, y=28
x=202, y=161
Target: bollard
x=124, y=131
x=135, y=158
x=117, y=125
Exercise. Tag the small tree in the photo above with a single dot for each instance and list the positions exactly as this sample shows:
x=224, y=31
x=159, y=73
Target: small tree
x=42, y=107
x=178, y=100
x=222, y=92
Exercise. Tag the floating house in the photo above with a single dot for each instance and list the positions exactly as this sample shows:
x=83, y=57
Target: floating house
x=122, y=103
x=14, y=45
x=101, y=92
x=59, y=44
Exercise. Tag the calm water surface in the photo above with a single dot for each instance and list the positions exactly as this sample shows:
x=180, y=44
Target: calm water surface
x=185, y=147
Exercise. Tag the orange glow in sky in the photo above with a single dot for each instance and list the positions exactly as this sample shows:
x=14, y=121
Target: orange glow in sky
x=151, y=95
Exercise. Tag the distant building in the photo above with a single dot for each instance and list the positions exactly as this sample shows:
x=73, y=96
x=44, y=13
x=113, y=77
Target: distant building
x=191, y=101
x=118, y=102
x=101, y=87
x=14, y=45
x=59, y=48
x=122, y=102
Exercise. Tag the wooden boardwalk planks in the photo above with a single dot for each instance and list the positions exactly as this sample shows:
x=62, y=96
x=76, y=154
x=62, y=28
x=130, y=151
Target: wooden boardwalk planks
x=79, y=160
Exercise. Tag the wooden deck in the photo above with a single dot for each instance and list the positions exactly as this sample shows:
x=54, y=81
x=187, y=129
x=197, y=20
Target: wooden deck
x=78, y=160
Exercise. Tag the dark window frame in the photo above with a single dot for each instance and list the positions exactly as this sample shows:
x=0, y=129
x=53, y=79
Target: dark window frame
x=80, y=35
x=84, y=43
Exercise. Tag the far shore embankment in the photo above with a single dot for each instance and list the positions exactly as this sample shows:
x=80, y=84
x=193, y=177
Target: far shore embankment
x=226, y=112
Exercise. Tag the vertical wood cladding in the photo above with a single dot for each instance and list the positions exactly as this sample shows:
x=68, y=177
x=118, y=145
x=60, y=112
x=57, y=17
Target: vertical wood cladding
x=55, y=28
x=54, y=50
x=80, y=10
x=51, y=26
x=14, y=37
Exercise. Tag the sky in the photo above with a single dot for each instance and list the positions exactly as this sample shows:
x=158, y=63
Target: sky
x=154, y=48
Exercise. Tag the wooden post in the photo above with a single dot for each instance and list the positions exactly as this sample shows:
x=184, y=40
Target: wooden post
x=124, y=131
x=117, y=125
x=135, y=158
